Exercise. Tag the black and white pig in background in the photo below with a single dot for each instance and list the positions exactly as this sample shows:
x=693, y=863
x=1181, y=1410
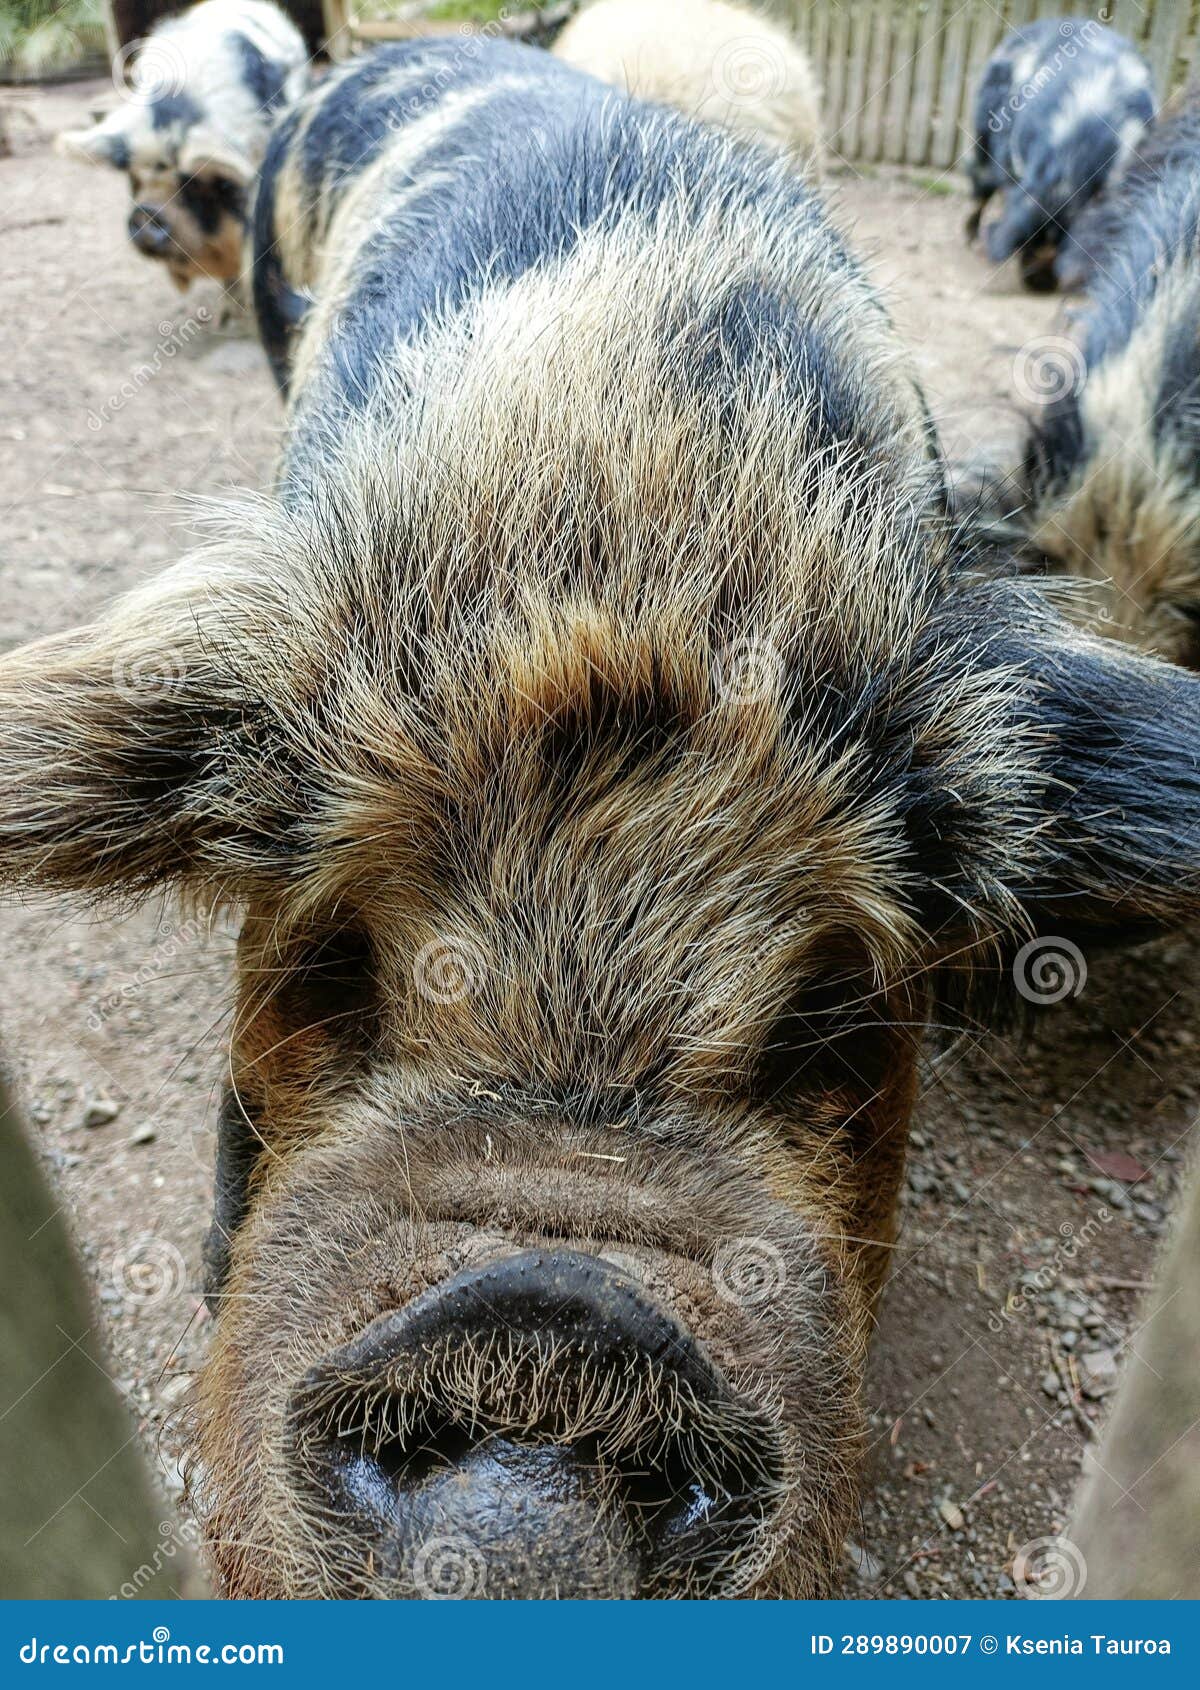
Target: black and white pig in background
x=617, y=763
x=1169, y=151
x=1110, y=482
x=191, y=130
x=1062, y=105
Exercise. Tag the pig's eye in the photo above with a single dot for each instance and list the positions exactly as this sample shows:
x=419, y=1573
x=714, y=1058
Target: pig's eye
x=828, y=1052
x=331, y=987
x=209, y=198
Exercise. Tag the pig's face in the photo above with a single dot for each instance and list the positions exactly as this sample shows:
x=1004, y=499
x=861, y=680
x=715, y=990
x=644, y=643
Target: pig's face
x=466, y=1268
x=188, y=185
x=587, y=944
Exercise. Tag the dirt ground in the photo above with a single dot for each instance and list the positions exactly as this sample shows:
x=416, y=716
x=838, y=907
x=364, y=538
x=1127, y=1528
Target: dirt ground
x=1040, y=1172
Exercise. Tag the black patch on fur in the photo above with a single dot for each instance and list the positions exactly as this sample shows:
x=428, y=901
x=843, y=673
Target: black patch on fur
x=273, y=310
x=238, y=1149
x=174, y=111
x=210, y=199
x=264, y=77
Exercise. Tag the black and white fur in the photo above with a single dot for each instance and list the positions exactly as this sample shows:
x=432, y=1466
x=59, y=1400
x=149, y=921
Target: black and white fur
x=1062, y=106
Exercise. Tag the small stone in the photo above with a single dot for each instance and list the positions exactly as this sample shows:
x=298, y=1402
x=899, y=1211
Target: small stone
x=1050, y=1385
x=1118, y=1166
x=912, y=1585
x=145, y=1134
x=1097, y=1373
x=952, y=1514
x=866, y=1567
x=99, y=1111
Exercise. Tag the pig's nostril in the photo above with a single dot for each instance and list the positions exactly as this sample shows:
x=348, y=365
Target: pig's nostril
x=147, y=230
x=545, y=1412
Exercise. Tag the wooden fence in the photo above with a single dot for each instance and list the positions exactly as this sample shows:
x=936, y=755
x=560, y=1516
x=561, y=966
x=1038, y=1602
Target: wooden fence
x=899, y=75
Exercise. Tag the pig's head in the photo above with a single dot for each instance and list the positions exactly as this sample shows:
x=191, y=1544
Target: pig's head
x=204, y=90
x=590, y=937
x=188, y=183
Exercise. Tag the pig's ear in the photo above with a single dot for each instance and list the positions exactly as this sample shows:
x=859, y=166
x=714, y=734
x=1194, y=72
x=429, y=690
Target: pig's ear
x=1116, y=850
x=106, y=142
x=129, y=754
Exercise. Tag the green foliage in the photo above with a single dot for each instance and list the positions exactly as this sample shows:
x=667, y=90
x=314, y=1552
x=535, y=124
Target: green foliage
x=454, y=11
x=938, y=186
x=45, y=35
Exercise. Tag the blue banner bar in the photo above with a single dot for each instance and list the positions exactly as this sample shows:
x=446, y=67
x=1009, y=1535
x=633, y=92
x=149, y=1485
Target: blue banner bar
x=491, y=1646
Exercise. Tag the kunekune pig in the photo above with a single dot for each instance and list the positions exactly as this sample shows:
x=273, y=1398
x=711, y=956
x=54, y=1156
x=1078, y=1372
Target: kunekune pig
x=1062, y=104
x=205, y=90
x=1170, y=150
x=618, y=764
x=720, y=64
x=1111, y=474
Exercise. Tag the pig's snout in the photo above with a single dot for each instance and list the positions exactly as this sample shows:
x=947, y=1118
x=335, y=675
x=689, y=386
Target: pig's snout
x=535, y=1426
x=148, y=231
